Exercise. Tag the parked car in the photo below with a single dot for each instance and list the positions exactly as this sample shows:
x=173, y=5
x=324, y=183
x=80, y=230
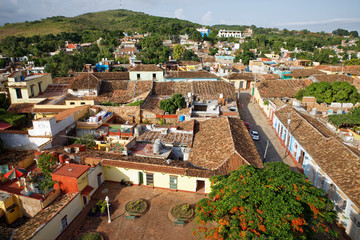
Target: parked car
x=254, y=135
x=247, y=125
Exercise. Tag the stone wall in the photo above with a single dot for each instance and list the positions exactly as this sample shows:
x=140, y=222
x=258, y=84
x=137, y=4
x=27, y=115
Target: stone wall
x=123, y=114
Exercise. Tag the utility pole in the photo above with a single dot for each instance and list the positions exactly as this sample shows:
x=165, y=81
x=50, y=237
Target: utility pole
x=287, y=136
x=266, y=149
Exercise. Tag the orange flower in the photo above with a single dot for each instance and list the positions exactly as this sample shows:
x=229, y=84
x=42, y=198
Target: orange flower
x=259, y=211
x=217, y=197
x=216, y=235
x=326, y=230
x=262, y=228
x=241, y=209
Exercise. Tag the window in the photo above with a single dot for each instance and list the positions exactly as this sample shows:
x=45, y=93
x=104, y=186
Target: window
x=340, y=204
x=150, y=179
x=355, y=217
x=320, y=181
x=64, y=222
x=154, y=76
x=82, y=103
x=138, y=76
x=32, y=93
x=332, y=192
x=39, y=85
x=173, y=182
x=72, y=103
x=18, y=93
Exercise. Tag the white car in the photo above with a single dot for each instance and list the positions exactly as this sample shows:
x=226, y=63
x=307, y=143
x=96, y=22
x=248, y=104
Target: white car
x=254, y=135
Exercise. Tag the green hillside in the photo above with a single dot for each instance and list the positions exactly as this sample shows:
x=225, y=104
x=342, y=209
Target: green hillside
x=106, y=20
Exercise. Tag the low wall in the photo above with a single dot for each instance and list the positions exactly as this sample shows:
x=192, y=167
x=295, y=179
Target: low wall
x=30, y=206
x=123, y=114
x=50, y=198
x=22, y=141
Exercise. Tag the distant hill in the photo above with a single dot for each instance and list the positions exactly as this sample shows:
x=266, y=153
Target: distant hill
x=106, y=20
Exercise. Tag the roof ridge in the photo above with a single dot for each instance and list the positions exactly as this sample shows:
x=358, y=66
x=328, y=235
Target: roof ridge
x=233, y=141
x=308, y=122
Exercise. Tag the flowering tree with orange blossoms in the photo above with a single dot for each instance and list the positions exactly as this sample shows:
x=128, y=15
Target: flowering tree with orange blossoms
x=269, y=203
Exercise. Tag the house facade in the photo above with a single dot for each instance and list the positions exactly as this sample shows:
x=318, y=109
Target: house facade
x=146, y=73
x=25, y=88
x=329, y=164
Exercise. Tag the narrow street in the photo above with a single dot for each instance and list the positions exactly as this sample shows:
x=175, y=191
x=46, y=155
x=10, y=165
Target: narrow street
x=251, y=113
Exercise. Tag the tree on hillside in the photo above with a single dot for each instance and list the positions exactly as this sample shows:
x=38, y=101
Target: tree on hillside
x=341, y=32
x=87, y=139
x=354, y=33
x=177, y=52
x=269, y=203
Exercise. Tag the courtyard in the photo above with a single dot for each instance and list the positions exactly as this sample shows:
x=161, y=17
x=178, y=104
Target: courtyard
x=154, y=224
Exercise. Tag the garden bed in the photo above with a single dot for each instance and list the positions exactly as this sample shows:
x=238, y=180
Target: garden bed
x=136, y=207
x=91, y=236
x=182, y=211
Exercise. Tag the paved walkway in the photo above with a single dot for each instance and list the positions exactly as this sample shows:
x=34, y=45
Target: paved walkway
x=251, y=113
x=154, y=224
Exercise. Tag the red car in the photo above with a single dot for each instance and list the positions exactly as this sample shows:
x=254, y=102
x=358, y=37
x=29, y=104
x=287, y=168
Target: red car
x=247, y=125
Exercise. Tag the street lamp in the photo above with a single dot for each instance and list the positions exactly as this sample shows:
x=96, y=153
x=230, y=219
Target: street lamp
x=107, y=204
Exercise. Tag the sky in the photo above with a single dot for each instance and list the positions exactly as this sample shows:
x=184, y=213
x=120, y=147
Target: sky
x=314, y=15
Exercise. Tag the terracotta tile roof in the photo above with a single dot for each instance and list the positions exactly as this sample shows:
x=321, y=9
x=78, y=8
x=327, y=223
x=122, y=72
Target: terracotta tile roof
x=152, y=105
x=62, y=80
x=332, y=68
x=171, y=137
x=21, y=107
x=112, y=75
x=331, y=78
x=28, y=230
x=13, y=157
x=48, y=110
x=206, y=90
x=185, y=63
x=84, y=81
x=175, y=167
x=267, y=76
x=297, y=73
x=187, y=125
x=216, y=140
x=146, y=68
x=336, y=159
x=241, y=76
x=191, y=74
x=281, y=88
x=64, y=114
x=87, y=190
x=71, y=170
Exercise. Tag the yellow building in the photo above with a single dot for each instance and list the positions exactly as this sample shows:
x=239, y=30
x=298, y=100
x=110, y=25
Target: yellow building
x=157, y=176
x=10, y=208
x=25, y=88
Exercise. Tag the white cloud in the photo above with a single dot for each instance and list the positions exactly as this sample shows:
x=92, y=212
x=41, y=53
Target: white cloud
x=207, y=18
x=328, y=21
x=179, y=13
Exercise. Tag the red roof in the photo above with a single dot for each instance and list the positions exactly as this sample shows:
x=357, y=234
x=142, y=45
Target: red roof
x=71, y=170
x=71, y=45
x=4, y=126
x=87, y=190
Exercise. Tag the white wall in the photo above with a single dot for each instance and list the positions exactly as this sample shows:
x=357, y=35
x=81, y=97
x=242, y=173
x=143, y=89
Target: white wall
x=53, y=228
x=146, y=76
x=22, y=141
x=92, y=178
